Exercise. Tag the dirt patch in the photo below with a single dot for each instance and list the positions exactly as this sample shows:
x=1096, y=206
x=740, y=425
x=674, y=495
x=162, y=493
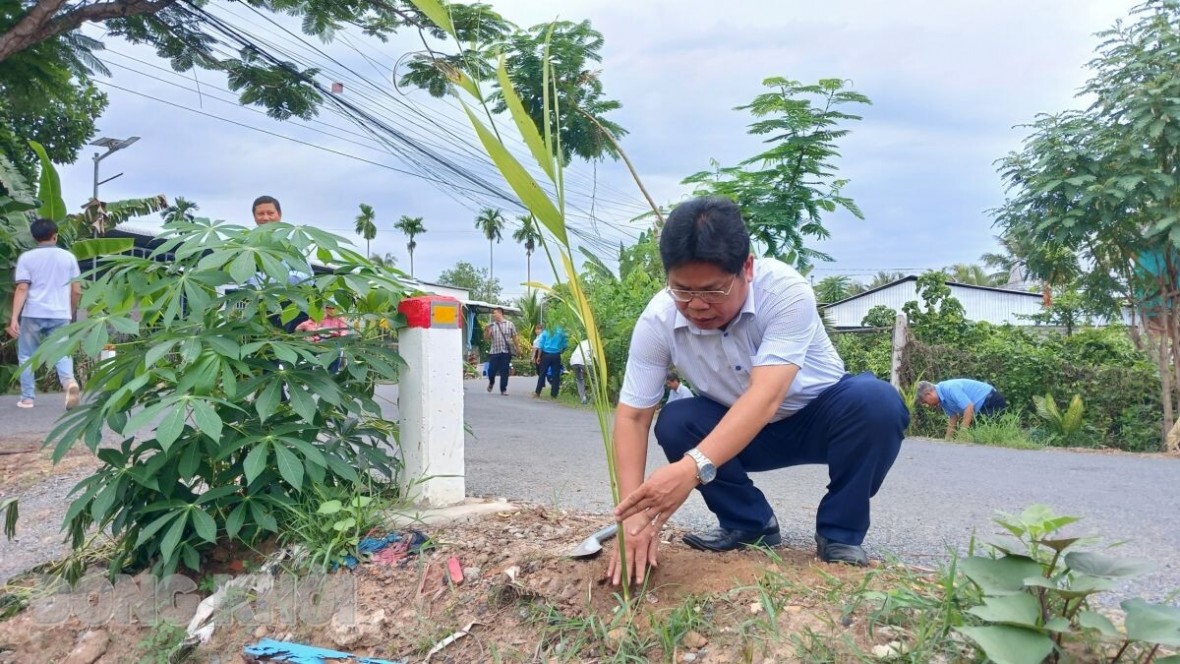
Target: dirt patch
x=523, y=601
x=24, y=462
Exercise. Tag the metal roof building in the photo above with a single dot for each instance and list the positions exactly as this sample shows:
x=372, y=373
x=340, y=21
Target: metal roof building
x=981, y=303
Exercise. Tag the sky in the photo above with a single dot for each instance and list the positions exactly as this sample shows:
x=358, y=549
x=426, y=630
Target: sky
x=950, y=82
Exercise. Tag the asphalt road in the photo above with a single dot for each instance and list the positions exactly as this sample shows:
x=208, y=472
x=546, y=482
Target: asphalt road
x=936, y=497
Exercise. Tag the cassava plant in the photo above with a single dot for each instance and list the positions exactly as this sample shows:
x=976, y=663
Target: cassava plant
x=1036, y=595
x=226, y=418
x=544, y=146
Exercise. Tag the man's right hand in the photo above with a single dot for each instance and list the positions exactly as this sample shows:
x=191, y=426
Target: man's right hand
x=641, y=551
x=14, y=329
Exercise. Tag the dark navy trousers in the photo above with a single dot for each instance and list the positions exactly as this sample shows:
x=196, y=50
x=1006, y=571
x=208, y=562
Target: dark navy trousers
x=855, y=428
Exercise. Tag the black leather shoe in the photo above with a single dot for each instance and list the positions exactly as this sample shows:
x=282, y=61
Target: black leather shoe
x=720, y=539
x=835, y=552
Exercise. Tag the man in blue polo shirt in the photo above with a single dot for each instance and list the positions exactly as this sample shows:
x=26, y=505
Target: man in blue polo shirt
x=551, y=344
x=961, y=399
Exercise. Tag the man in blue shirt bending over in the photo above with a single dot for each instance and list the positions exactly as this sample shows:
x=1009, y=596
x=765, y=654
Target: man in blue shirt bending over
x=961, y=399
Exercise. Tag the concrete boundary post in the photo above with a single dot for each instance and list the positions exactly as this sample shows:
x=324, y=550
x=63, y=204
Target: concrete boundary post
x=900, y=337
x=430, y=401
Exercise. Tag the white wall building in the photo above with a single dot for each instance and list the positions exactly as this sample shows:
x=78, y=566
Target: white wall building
x=981, y=303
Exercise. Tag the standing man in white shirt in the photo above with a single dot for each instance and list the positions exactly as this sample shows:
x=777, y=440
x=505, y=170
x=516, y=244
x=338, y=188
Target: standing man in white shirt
x=46, y=298
x=772, y=393
x=580, y=362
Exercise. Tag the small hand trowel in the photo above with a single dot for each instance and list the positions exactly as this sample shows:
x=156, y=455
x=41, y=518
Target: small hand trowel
x=593, y=544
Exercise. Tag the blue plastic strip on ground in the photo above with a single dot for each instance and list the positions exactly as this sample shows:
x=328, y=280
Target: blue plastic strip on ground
x=296, y=653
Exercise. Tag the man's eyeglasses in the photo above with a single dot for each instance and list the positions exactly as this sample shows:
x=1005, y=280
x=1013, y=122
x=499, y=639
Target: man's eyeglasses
x=706, y=296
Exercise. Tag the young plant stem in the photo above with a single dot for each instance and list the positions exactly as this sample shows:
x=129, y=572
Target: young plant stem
x=1119, y=655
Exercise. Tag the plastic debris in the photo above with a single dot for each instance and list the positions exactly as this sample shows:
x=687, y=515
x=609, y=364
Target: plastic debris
x=269, y=650
x=375, y=548
x=450, y=639
x=455, y=570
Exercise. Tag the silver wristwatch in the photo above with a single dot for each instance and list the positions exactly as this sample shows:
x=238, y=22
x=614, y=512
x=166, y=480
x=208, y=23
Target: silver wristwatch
x=706, y=471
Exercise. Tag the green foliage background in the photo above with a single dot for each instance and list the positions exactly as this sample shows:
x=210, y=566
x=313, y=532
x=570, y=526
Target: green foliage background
x=1118, y=385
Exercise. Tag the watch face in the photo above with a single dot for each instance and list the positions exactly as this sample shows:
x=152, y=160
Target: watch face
x=707, y=473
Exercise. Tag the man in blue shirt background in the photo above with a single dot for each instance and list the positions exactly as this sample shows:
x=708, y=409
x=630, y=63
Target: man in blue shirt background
x=961, y=399
x=552, y=344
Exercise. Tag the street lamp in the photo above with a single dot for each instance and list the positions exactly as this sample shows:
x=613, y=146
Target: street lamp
x=112, y=145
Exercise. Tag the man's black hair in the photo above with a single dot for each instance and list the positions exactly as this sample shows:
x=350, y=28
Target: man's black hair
x=672, y=376
x=705, y=230
x=43, y=229
x=263, y=200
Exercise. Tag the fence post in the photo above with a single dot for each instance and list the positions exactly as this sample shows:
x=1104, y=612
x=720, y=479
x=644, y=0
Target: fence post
x=900, y=335
x=430, y=401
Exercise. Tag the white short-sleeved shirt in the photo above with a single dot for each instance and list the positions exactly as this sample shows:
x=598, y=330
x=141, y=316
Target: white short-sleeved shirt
x=582, y=355
x=681, y=392
x=777, y=325
x=48, y=271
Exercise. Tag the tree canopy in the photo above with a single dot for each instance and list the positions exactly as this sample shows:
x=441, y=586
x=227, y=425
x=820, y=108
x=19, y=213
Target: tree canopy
x=475, y=280
x=1094, y=192
x=579, y=117
x=785, y=191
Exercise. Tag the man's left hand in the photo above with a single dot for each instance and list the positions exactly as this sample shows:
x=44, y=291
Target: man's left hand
x=661, y=495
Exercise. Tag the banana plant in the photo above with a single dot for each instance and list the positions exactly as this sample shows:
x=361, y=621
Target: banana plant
x=544, y=146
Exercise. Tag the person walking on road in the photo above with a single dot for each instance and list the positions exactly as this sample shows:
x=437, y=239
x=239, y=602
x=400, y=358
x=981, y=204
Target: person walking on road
x=552, y=343
x=46, y=298
x=962, y=399
x=772, y=390
x=501, y=334
x=580, y=362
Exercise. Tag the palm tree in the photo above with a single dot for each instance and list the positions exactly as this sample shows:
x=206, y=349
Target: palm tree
x=386, y=260
x=366, y=225
x=490, y=222
x=529, y=234
x=973, y=274
x=412, y=227
x=181, y=210
x=832, y=289
x=882, y=278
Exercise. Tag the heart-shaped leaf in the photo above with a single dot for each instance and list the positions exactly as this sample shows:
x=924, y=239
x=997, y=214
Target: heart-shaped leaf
x=1153, y=623
x=1096, y=564
x=1097, y=621
x=1005, y=644
x=1020, y=609
x=1000, y=576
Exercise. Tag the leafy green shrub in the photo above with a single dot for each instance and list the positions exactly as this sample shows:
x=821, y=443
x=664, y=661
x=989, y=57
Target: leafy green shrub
x=1118, y=385
x=227, y=420
x=330, y=528
x=880, y=316
x=866, y=351
x=1036, y=597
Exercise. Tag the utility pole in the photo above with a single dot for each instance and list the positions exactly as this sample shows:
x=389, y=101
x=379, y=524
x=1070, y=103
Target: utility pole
x=112, y=145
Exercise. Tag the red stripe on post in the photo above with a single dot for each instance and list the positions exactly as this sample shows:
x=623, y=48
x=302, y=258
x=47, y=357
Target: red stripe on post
x=419, y=311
